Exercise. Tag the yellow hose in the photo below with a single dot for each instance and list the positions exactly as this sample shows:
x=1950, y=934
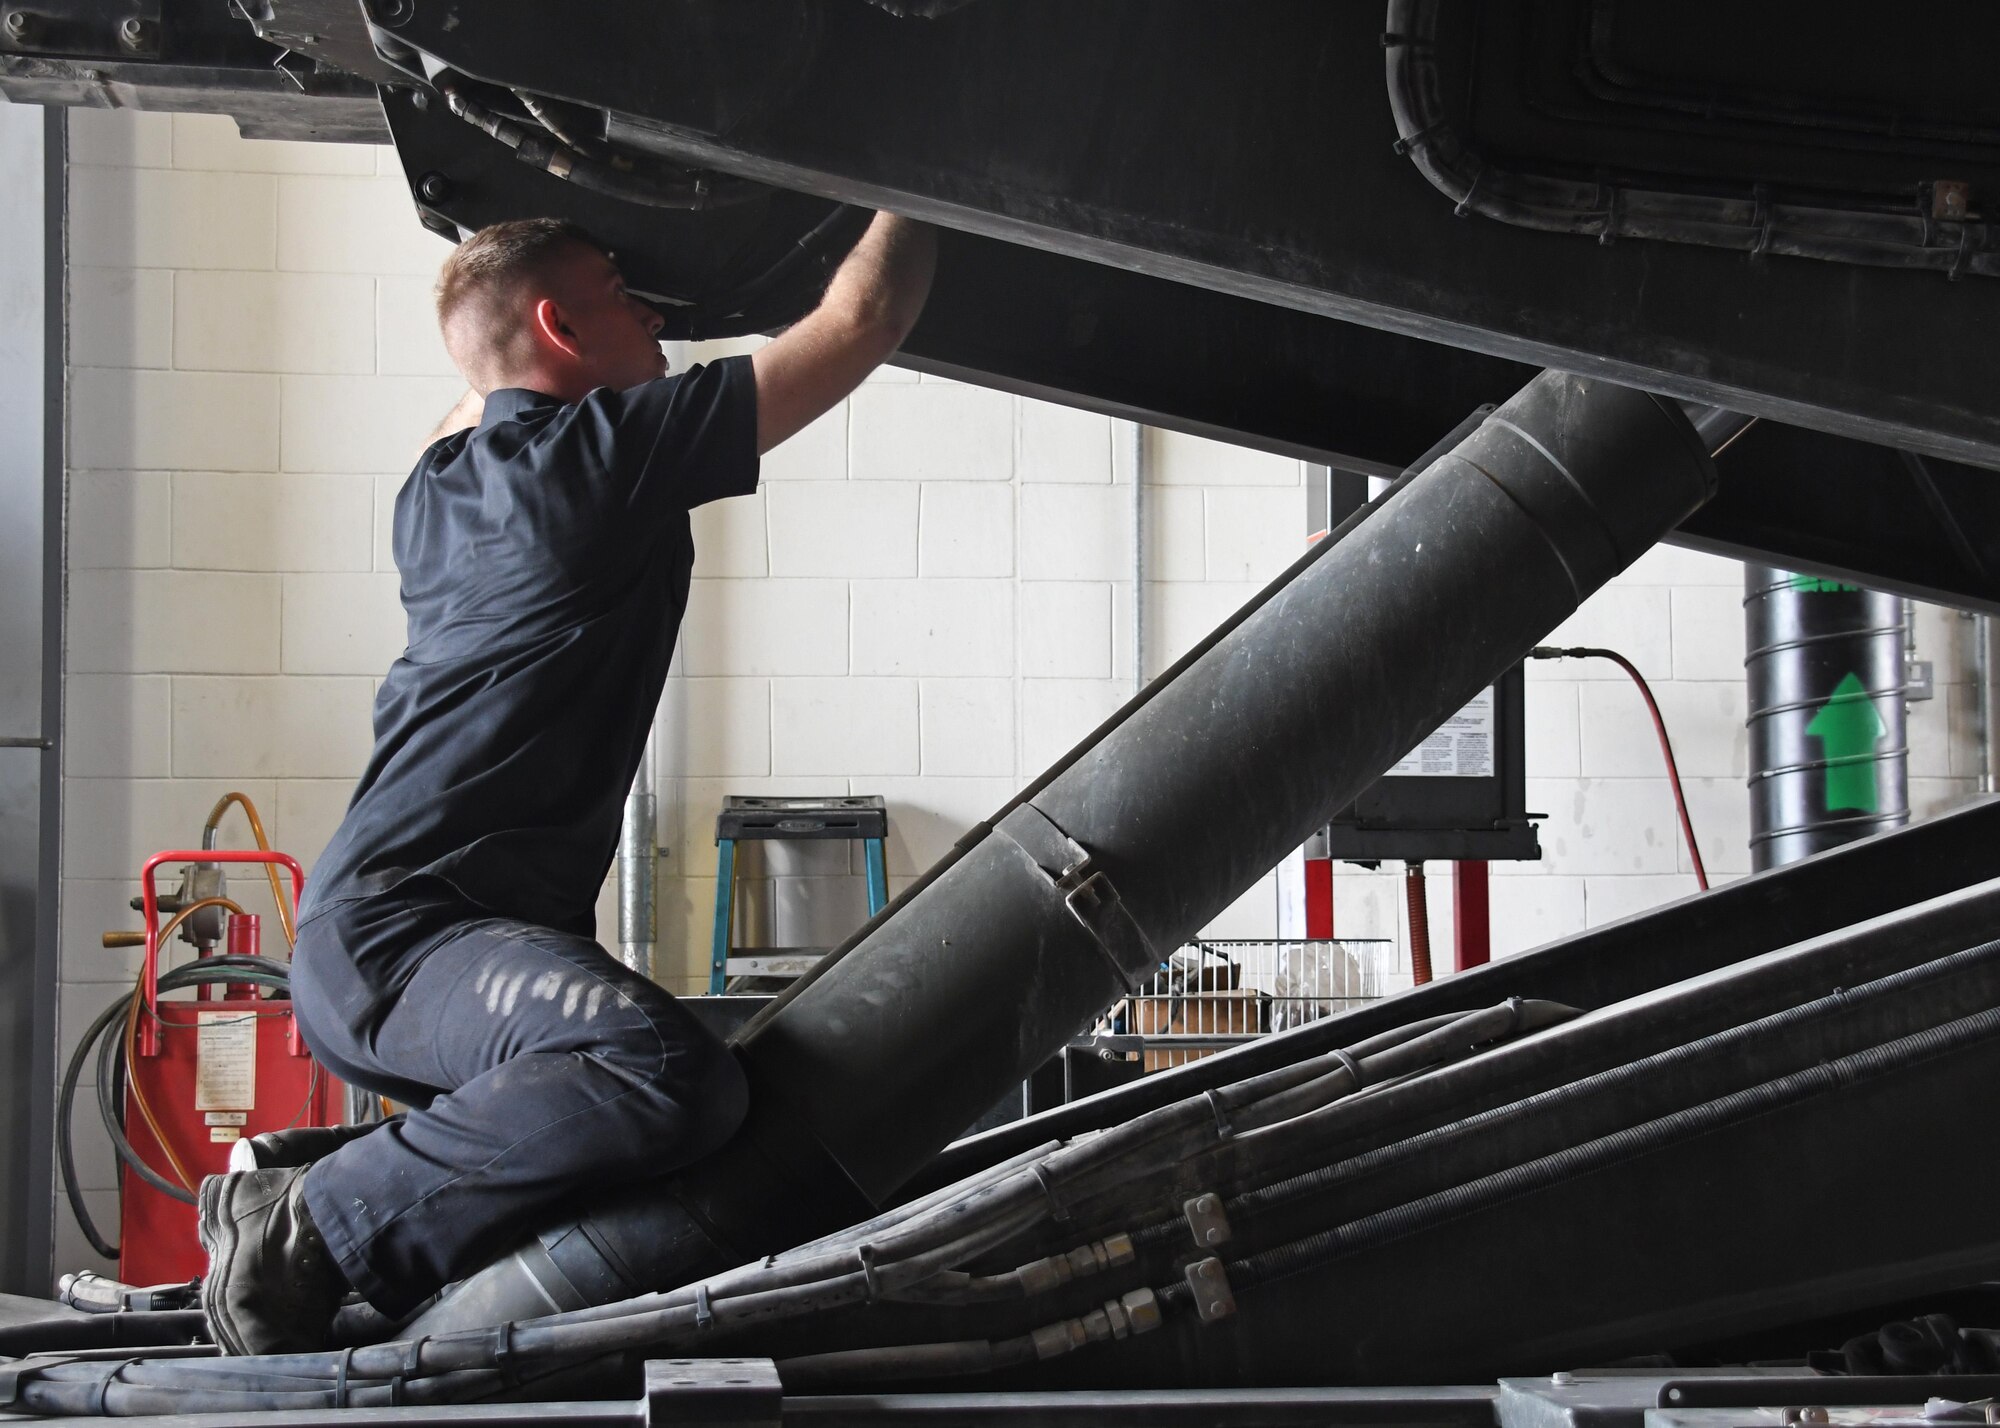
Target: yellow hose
x=133, y=1079
x=270, y=869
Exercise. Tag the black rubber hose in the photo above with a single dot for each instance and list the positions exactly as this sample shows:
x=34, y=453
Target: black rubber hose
x=1373, y=1231
x=111, y=1073
x=810, y=247
x=543, y=112
x=1630, y=205
x=1719, y=1048
x=759, y=1293
x=1006, y=1194
x=65, y=1138
x=540, y=148
x=257, y=970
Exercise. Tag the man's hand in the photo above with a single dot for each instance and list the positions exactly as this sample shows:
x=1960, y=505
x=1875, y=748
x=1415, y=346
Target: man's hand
x=465, y=414
x=869, y=308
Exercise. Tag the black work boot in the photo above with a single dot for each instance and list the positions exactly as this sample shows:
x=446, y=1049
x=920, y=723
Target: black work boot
x=301, y=1145
x=271, y=1287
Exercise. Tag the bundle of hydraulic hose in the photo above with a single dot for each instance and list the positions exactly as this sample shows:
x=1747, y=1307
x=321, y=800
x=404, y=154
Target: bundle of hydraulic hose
x=1091, y=1228
x=1161, y=1222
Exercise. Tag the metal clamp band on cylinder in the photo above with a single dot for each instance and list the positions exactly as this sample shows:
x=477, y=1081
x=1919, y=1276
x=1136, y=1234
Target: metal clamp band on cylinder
x=1086, y=891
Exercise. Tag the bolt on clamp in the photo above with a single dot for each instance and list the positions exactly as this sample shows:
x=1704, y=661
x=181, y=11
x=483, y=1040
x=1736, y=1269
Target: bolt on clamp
x=1213, y=1298
x=1206, y=1220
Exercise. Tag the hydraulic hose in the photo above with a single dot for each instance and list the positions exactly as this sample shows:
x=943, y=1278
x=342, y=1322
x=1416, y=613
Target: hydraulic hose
x=1623, y=1090
x=913, y=1253
x=928, y=1243
x=812, y=246
x=1420, y=923
x=1315, y=1251
x=958, y=1359
x=1659, y=728
x=1020, y=1195
x=540, y=148
x=1884, y=947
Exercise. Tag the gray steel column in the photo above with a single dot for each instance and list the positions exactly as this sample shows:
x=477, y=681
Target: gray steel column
x=31, y=372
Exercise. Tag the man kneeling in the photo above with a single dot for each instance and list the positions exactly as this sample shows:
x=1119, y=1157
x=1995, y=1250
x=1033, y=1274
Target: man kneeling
x=445, y=954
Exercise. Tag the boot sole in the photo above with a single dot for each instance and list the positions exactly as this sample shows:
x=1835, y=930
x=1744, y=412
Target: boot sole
x=217, y=1233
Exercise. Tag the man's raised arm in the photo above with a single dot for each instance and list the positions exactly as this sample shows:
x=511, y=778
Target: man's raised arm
x=465, y=414
x=869, y=308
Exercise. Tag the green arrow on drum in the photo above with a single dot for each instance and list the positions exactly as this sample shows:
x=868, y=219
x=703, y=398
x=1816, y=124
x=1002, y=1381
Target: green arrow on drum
x=1848, y=727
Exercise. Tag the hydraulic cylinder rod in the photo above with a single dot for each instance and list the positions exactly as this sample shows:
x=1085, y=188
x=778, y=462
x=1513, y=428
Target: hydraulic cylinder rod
x=1074, y=896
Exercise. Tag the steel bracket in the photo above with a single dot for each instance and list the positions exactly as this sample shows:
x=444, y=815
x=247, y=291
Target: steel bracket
x=730, y=1393
x=1206, y=1220
x=1213, y=1298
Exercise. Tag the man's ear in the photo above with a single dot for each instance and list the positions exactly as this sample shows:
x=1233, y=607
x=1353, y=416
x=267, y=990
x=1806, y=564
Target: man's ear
x=552, y=328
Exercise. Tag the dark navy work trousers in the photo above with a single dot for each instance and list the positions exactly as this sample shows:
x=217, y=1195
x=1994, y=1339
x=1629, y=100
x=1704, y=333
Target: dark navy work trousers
x=535, y=1065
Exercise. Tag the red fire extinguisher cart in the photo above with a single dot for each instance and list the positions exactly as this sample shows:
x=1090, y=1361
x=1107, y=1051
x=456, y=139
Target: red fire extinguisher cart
x=202, y=1074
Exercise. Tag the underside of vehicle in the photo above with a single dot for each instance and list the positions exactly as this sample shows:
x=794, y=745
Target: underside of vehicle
x=1711, y=1150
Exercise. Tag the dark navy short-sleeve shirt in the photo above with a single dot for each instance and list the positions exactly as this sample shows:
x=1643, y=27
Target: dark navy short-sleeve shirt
x=545, y=559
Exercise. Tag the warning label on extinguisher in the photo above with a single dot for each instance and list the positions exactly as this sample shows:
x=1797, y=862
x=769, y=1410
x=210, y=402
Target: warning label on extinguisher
x=225, y=1061
x=1462, y=747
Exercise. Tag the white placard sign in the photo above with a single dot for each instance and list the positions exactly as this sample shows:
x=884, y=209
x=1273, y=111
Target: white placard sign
x=1462, y=747
x=225, y=1061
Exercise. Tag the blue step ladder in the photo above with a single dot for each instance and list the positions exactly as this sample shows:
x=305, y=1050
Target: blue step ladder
x=862, y=818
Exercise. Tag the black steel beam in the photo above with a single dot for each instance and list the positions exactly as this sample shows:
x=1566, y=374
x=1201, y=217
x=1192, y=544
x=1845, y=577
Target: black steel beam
x=1242, y=149
x=1278, y=379
x=1885, y=519
x=201, y=56
x=1430, y=1407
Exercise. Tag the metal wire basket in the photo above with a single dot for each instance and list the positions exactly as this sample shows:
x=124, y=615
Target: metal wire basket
x=1211, y=995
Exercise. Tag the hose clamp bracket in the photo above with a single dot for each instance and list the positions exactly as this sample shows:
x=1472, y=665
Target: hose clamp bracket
x=1087, y=893
x=1206, y=1220
x=1213, y=1298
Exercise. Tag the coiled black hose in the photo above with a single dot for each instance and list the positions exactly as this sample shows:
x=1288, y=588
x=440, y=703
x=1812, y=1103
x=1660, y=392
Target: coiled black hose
x=259, y=971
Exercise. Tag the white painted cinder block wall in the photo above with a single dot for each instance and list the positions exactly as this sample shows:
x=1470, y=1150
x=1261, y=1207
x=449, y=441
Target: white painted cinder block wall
x=930, y=599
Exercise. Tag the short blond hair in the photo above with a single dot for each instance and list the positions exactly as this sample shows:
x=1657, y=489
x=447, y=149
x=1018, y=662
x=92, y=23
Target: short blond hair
x=478, y=287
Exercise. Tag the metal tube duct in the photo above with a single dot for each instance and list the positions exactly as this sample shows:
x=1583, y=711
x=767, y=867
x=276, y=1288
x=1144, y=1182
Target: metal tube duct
x=1074, y=896
x=638, y=862
x=1828, y=753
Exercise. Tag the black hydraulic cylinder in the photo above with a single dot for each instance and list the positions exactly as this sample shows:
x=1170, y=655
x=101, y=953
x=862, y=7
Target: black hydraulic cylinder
x=1074, y=896
x=1829, y=758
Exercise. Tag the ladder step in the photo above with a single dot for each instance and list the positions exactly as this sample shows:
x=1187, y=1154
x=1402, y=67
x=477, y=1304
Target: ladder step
x=774, y=962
